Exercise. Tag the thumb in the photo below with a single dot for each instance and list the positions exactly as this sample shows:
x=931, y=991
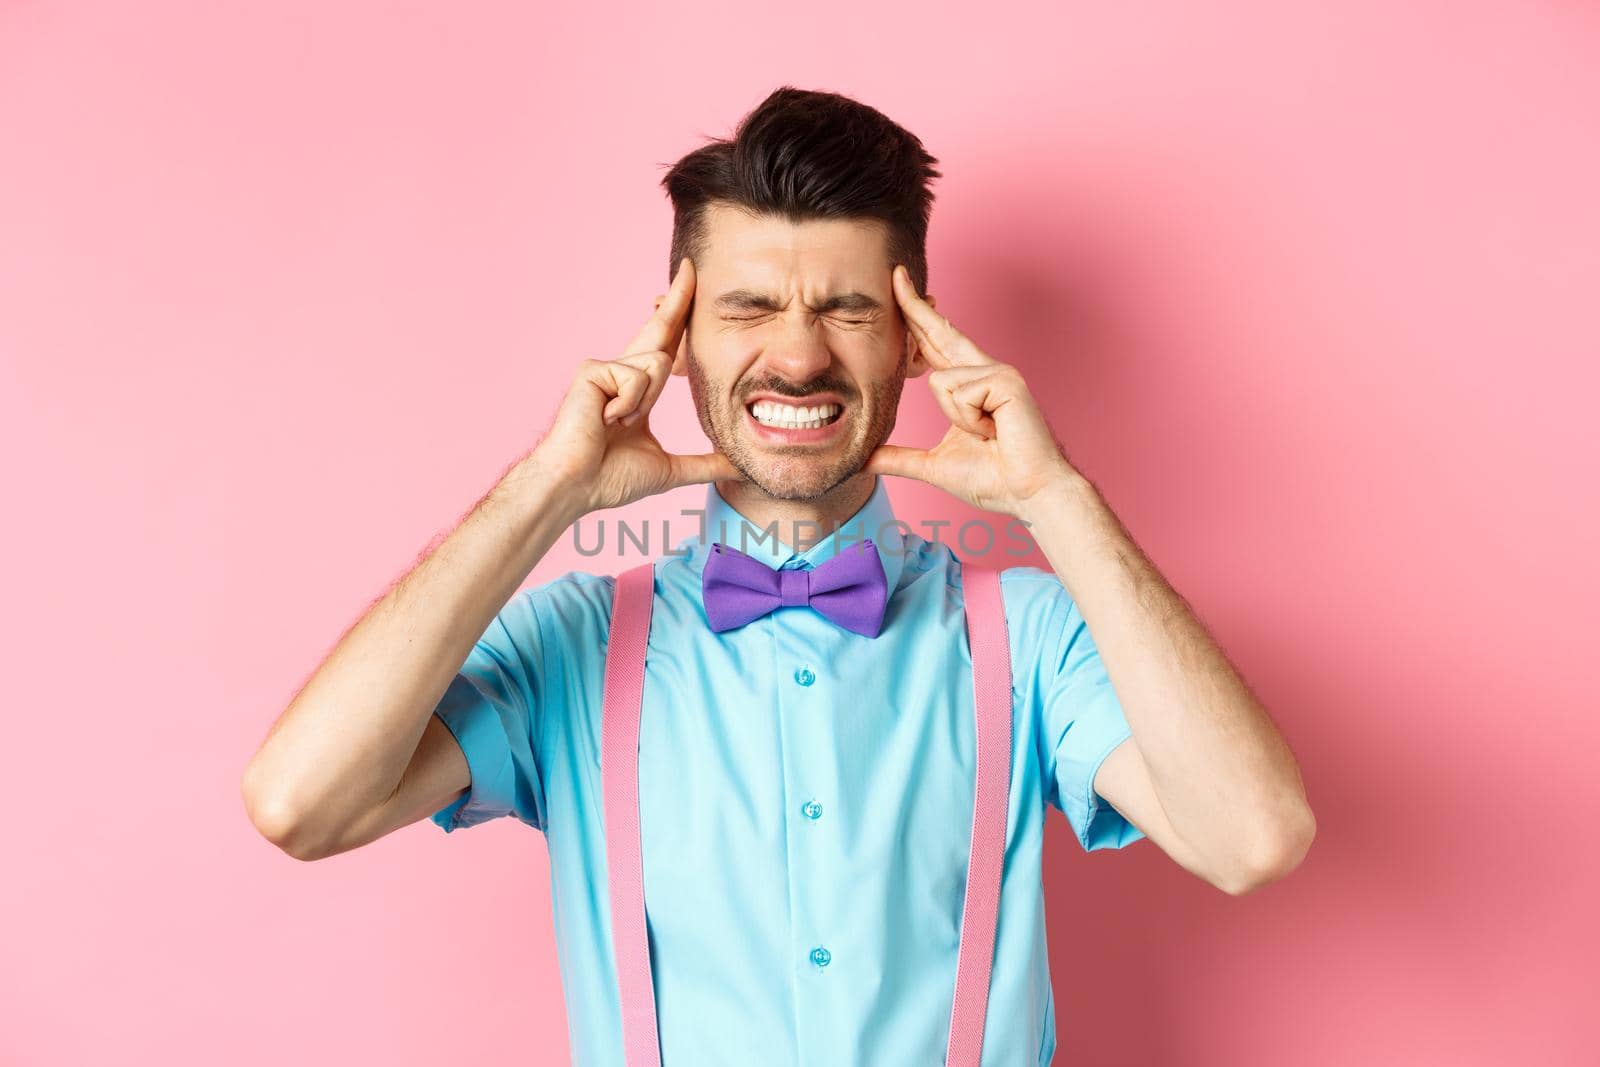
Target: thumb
x=899, y=461
x=707, y=467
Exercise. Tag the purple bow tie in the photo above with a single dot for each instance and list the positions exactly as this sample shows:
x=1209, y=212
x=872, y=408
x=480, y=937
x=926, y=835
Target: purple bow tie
x=849, y=589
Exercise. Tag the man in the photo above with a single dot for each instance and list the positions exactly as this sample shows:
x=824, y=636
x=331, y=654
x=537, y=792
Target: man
x=805, y=789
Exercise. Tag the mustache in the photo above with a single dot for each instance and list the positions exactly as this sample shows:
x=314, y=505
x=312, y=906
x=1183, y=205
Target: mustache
x=783, y=387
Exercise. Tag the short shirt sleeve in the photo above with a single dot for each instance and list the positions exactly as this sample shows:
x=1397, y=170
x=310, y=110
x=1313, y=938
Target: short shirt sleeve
x=1080, y=717
x=493, y=708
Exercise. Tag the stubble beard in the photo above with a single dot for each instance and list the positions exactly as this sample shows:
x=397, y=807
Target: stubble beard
x=795, y=472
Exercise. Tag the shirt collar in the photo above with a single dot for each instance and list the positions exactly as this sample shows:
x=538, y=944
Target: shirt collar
x=875, y=521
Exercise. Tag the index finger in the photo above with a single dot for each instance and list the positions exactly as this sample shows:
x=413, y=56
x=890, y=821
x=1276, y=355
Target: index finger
x=664, y=328
x=946, y=345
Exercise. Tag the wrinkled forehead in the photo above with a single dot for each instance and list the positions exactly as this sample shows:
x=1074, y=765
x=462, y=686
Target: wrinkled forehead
x=813, y=259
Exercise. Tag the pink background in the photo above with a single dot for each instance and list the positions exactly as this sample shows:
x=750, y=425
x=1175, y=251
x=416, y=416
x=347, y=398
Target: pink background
x=1310, y=292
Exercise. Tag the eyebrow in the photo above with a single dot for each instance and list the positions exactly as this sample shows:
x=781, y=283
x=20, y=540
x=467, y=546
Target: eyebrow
x=751, y=300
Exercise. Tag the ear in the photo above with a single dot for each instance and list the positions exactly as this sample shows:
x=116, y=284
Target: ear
x=680, y=358
x=918, y=364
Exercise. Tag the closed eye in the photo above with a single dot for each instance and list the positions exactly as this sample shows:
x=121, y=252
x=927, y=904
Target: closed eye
x=837, y=319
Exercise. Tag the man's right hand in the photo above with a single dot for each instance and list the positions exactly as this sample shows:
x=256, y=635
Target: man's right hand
x=359, y=753
x=600, y=442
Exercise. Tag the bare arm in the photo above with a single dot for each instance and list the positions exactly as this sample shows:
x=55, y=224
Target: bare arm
x=1207, y=777
x=358, y=753
x=329, y=775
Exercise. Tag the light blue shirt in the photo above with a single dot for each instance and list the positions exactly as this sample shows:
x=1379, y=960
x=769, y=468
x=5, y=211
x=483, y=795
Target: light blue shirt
x=805, y=801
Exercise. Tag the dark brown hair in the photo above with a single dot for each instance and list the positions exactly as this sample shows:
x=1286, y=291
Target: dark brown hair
x=802, y=155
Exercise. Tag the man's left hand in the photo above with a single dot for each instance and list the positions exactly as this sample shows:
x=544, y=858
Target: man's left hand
x=998, y=454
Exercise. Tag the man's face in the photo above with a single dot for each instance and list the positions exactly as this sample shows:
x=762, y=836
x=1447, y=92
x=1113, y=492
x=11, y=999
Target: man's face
x=795, y=348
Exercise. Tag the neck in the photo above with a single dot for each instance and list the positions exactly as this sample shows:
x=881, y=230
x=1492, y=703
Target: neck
x=807, y=521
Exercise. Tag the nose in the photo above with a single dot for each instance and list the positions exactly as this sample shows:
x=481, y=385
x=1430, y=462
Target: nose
x=798, y=353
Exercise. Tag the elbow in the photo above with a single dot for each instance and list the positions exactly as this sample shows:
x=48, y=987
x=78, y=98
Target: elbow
x=279, y=821
x=1276, y=851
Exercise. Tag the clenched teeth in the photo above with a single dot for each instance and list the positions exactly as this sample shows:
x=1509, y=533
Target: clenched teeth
x=790, y=417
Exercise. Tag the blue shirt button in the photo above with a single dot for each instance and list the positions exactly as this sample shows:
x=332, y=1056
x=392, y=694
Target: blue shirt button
x=821, y=956
x=812, y=810
x=804, y=676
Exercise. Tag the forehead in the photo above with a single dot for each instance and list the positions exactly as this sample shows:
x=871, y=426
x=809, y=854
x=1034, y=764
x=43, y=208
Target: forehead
x=772, y=252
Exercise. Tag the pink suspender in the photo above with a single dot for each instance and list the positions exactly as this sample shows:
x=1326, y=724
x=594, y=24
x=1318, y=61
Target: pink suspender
x=619, y=771
x=991, y=690
x=619, y=775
